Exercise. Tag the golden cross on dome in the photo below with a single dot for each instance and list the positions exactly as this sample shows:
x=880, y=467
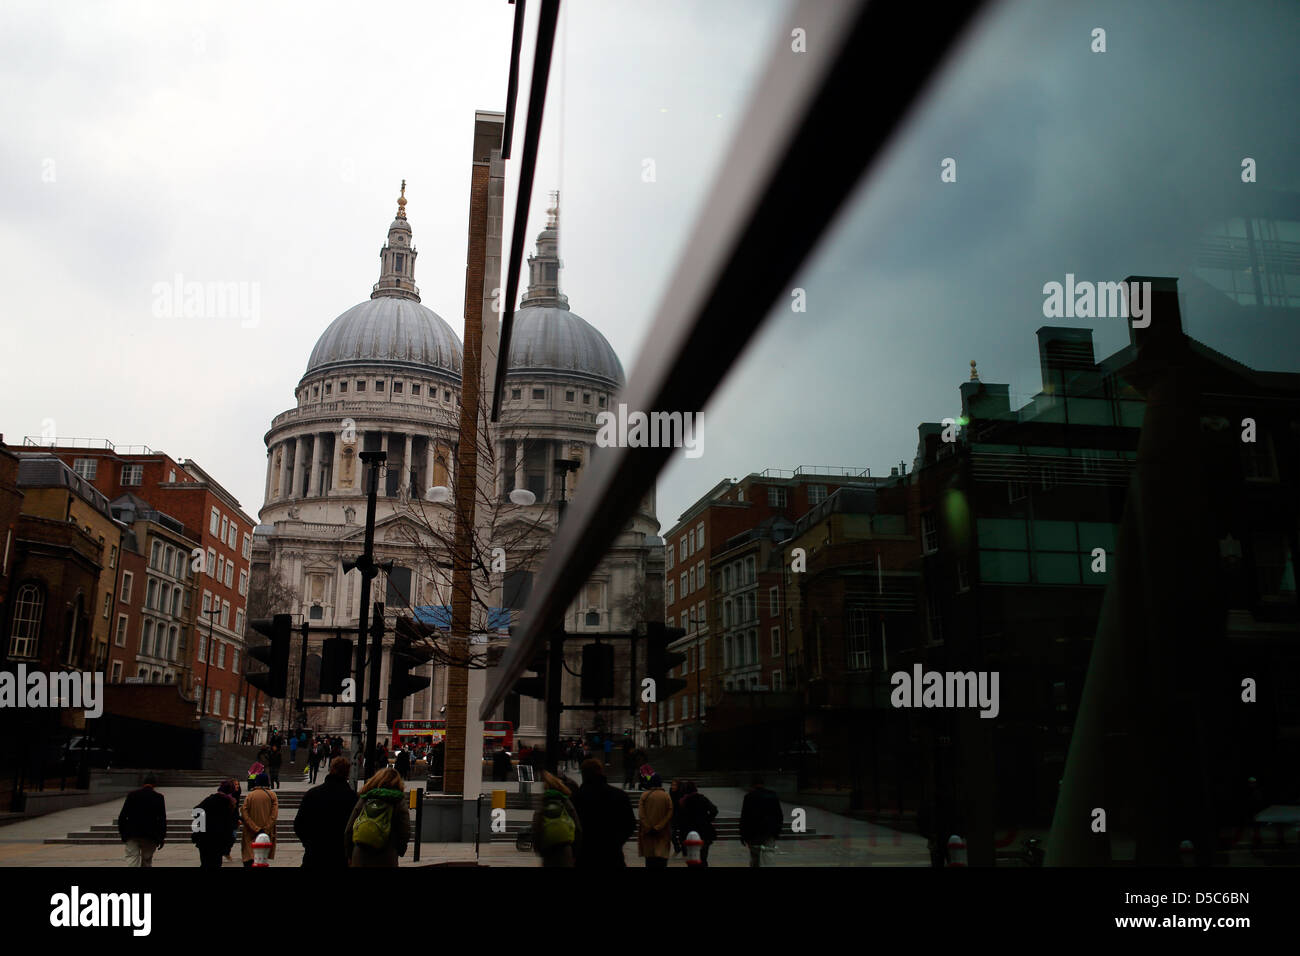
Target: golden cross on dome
x=401, y=202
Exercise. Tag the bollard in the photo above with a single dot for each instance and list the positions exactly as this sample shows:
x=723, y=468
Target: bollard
x=956, y=851
x=262, y=850
x=692, y=843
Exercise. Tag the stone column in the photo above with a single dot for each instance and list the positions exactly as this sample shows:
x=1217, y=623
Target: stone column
x=552, y=490
x=500, y=470
x=338, y=461
x=270, y=472
x=408, y=473
x=388, y=463
x=430, y=478
x=299, y=453
x=520, y=475
x=284, y=470
x=317, y=441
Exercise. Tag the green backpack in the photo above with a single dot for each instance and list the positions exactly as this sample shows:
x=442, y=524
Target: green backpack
x=557, y=826
x=374, y=824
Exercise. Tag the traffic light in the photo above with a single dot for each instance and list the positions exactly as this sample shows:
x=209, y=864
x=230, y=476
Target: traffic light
x=273, y=682
x=335, y=665
x=659, y=661
x=534, y=686
x=401, y=682
x=597, y=671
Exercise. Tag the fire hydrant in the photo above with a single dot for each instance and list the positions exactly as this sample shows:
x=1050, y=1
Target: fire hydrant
x=956, y=851
x=692, y=843
x=262, y=850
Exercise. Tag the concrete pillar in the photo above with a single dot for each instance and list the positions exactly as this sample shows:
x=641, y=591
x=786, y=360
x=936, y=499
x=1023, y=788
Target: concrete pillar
x=284, y=470
x=408, y=473
x=430, y=477
x=299, y=454
x=270, y=473
x=552, y=489
x=317, y=447
x=388, y=463
x=520, y=475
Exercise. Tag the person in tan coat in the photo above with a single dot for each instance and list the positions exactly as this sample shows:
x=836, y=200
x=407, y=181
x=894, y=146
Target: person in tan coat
x=260, y=810
x=654, y=839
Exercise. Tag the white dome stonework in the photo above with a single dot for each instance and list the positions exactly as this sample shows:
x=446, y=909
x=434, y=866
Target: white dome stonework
x=388, y=331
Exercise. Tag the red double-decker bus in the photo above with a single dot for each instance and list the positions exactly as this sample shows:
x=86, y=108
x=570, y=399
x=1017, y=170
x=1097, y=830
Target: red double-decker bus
x=406, y=733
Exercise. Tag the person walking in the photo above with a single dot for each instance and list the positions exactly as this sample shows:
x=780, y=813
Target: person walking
x=655, y=813
x=760, y=820
x=379, y=827
x=314, y=760
x=403, y=764
x=273, y=760
x=607, y=820
x=629, y=765
x=260, y=811
x=217, y=824
x=501, y=765
x=323, y=816
x=694, y=811
x=557, y=828
x=142, y=823
x=293, y=751
x=609, y=750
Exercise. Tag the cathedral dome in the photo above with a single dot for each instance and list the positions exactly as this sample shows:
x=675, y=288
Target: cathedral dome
x=553, y=340
x=389, y=331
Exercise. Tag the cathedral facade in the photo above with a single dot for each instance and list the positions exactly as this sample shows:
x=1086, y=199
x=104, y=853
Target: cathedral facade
x=386, y=375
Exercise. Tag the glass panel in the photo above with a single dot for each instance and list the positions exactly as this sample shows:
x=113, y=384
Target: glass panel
x=1002, y=533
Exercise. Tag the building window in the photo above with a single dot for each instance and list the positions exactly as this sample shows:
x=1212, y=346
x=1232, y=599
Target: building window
x=146, y=639
x=119, y=638
x=213, y=520
x=672, y=620
x=682, y=583
x=776, y=681
x=221, y=655
x=773, y=602
x=225, y=527
x=221, y=568
x=328, y=387
x=749, y=569
x=776, y=642
x=816, y=494
x=28, y=610
x=672, y=592
x=669, y=552
x=568, y=395
x=690, y=540
x=243, y=584
x=586, y=398
x=132, y=474
x=230, y=568
x=681, y=549
x=125, y=595
x=775, y=497
x=699, y=536
x=108, y=605
x=216, y=702
x=1257, y=459
x=86, y=468
x=154, y=553
x=379, y=385
x=207, y=601
x=225, y=614
x=212, y=562
x=343, y=387
x=963, y=575
x=699, y=575
x=415, y=389
x=361, y=386
x=701, y=620
x=857, y=639
x=248, y=545
x=516, y=393
x=230, y=541
x=239, y=622
x=234, y=654
x=602, y=401
x=692, y=579
x=539, y=394
x=929, y=533
x=446, y=395
x=151, y=593
x=116, y=677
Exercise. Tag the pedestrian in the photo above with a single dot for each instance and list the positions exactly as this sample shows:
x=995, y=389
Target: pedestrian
x=436, y=760
x=218, y=826
x=557, y=829
x=323, y=817
x=675, y=794
x=259, y=814
x=501, y=765
x=273, y=761
x=403, y=764
x=142, y=823
x=629, y=765
x=609, y=749
x=379, y=827
x=760, y=820
x=313, y=760
x=293, y=751
x=606, y=817
x=694, y=812
x=655, y=813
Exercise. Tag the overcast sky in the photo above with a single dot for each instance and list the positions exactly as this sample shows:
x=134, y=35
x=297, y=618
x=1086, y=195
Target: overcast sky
x=242, y=142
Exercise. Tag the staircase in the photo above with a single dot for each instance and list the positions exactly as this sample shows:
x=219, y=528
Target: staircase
x=178, y=830
x=728, y=829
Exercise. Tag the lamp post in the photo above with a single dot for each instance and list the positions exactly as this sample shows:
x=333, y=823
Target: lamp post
x=207, y=653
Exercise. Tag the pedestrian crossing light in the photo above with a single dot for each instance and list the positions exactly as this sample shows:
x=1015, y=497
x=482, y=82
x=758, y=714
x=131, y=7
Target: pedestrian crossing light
x=273, y=682
x=407, y=656
x=660, y=661
x=335, y=664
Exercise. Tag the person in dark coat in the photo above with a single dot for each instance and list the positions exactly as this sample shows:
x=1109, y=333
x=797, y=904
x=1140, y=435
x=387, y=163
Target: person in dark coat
x=386, y=785
x=694, y=811
x=216, y=835
x=607, y=819
x=273, y=760
x=142, y=823
x=403, y=763
x=760, y=820
x=322, y=816
x=501, y=765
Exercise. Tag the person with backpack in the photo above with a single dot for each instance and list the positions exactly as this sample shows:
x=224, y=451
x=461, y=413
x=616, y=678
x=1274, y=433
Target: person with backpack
x=606, y=817
x=323, y=816
x=379, y=828
x=694, y=811
x=655, y=812
x=218, y=826
x=557, y=831
x=261, y=810
x=760, y=820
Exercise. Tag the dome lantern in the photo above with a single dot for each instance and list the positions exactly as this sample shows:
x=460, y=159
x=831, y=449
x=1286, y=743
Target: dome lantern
x=397, y=258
